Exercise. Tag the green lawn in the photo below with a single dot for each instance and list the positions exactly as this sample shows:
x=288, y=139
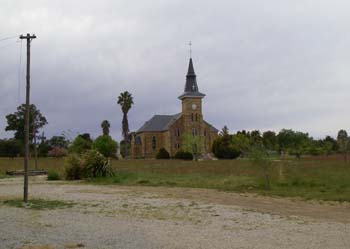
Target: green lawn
x=309, y=178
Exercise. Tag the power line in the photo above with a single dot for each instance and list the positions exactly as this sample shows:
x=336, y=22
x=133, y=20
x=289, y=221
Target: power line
x=9, y=44
x=19, y=73
x=7, y=38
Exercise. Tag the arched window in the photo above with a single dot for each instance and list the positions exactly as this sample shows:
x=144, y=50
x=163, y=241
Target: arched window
x=192, y=117
x=154, y=143
x=205, y=132
x=196, y=116
x=194, y=132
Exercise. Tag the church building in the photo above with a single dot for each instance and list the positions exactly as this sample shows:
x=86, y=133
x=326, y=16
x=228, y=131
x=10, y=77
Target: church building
x=168, y=131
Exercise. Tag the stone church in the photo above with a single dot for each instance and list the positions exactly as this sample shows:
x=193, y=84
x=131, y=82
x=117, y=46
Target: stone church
x=166, y=131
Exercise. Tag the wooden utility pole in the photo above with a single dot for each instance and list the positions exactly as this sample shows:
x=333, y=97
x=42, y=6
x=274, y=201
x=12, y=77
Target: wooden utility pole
x=29, y=38
x=34, y=143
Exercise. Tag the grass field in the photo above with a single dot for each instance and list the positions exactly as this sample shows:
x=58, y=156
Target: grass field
x=325, y=178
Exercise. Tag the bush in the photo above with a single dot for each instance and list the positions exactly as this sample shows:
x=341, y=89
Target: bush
x=91, y=164
x=163, y=154
x=73, y=168
x=81, y=144
x=225, y=150
x=184, y=155
x=53, y=176
x=96, y=165
x=57, y=152
x=10, y=147
x=106, y=146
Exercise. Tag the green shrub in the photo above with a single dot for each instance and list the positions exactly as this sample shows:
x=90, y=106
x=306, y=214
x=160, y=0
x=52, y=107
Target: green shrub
x=53, y=176
x=224, y=149
x=163, y=154
x=81, y=144
x=184, y=155
x=10, y=147
x=96, y=165
x=73, y=168
x=106, y=146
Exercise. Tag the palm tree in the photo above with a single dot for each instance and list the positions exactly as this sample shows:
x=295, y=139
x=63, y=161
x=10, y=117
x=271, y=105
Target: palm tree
x=125, y=100
x=105, y=125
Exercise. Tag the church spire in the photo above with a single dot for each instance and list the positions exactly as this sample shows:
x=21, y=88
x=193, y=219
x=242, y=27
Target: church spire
x=191, y=79
x=191, y=87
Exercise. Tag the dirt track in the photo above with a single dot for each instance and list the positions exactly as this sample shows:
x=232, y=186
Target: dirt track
x=147, y=217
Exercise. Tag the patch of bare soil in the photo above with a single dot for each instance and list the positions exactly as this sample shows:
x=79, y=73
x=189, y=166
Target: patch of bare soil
x=157, y=217
x=321, y=210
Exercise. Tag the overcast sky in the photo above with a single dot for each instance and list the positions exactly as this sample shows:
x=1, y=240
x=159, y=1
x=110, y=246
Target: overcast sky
x=263, y=65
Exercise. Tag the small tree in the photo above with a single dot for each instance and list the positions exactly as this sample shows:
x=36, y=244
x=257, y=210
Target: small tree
x=270, y=140
x=106, y=146
x=260, y=157
x=223, y=146
x=81, y=144
x=192, y=144
x=343, y=143
x=241, y=142
x=15, y=121
x=10, y=148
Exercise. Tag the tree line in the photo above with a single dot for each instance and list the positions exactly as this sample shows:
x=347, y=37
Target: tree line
x=61, y=145
x=285, y=142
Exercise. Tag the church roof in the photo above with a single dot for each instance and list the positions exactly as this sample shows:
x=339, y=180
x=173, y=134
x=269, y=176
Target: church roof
x=163, y=122
x=212, y=128
x=191, y=86
x=159, y=123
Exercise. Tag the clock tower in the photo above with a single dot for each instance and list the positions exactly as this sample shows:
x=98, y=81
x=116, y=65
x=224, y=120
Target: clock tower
x=192, y=104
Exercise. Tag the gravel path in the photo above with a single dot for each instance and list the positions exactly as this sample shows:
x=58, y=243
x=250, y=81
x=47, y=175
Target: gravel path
x=136, y=217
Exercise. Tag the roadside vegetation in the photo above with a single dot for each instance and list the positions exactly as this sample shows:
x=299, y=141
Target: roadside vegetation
x=321, y=178
x=288, y=163
x=38, y=204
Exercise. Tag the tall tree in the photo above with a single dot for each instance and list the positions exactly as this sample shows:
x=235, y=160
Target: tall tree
x=15, y=122
x=270, y=140
x=343, y=142
x=125, y=100
x=105, y=125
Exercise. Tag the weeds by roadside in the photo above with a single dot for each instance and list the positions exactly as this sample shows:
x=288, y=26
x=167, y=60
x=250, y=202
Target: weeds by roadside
x=39, y=204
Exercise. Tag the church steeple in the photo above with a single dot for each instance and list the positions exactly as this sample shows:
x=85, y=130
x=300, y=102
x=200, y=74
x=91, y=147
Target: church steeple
x=191, y=87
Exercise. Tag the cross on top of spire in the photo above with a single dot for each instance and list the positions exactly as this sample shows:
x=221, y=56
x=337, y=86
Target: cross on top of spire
x=190, y=45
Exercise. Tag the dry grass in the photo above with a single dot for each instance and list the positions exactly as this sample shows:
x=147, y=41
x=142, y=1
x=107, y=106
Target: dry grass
x=326, y=178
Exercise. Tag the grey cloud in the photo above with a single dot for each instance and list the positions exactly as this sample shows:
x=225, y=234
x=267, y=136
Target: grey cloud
x=263, y=64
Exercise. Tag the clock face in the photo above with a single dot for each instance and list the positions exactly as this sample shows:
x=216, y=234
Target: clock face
x=194, y=106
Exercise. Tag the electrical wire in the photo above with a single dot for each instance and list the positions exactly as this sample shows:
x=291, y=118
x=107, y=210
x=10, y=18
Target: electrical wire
x=8, y=38
x=9, y=44
x=19, y=73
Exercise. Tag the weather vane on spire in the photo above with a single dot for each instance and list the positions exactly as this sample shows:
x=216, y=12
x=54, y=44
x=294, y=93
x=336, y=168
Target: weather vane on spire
x=190, y=45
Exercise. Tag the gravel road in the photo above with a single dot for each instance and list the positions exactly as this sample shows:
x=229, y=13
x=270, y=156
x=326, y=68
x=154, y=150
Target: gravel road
x=145, y=217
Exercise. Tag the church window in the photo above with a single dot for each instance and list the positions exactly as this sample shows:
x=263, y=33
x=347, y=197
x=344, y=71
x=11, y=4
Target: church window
x=205, y=132
x=192, y=117
x=196, y=116
x=177, y=132
x=194, y=132
x=154, y=143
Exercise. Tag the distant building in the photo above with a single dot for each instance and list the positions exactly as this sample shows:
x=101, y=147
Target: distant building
x=166, y=131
